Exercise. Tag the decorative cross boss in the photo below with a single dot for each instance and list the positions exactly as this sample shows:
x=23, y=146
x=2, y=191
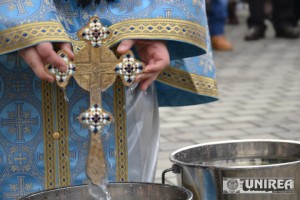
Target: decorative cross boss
x=62, y=78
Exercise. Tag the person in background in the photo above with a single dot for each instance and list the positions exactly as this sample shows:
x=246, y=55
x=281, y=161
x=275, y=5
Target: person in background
x=217, y=16
x=232, y=17
x=297, y=12
x=283, y=19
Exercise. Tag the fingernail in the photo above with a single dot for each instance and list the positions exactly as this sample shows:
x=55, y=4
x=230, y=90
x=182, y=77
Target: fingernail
x=72, y=56
x=122, y=47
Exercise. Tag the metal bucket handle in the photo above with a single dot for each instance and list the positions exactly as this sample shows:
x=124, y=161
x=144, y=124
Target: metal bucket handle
x=175, y=169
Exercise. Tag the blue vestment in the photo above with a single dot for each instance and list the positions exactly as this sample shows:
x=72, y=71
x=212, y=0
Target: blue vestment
x=31, y=111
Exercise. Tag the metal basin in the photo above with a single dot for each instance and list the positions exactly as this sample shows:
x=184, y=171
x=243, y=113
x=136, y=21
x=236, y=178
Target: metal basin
x=118, y=191
x=242, y=169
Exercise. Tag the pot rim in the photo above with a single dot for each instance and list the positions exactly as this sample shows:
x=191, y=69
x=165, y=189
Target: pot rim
x=185, y=190
x=248, y=167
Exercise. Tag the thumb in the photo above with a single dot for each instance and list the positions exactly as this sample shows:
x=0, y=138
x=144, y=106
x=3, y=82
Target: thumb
x=125, y=45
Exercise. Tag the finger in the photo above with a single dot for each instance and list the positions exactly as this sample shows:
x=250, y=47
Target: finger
x=46, y=52
x=146, y=79
x=125, y=46
x=33, y=59
x=158, y=66
x=145, y=76
x=145, y=84
x=66, y=47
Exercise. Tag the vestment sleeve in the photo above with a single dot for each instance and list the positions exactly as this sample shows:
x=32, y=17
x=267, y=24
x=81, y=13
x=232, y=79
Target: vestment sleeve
x=181, y=23
x=190, y=79
x=26, y=23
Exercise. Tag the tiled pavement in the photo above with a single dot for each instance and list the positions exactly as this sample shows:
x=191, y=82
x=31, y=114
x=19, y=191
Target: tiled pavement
x=259, y=85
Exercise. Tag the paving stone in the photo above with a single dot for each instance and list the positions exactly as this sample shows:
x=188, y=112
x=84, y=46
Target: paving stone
x=196, y=129
x=213, y=140
x=256, y=112
x=165, y=165
x=192, y=108
x=237, y=126
x=220, y=108
x=287, y=108
x=290, y=126
x=205, y=122
x=170, y=147
x=247, y=118
x=263, y=130
x=163, y=140
x=213, y=115
x=174, y=125
x=261, y=136
x=254, y=106
x=164, y=155
x=181, y=118
x=294, y=134
x=225, y=133
x=189, y=136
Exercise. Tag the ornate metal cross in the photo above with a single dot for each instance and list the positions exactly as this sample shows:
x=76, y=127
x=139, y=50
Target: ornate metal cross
x=96, y=70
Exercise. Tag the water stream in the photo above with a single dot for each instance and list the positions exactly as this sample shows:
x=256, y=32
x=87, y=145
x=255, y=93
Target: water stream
x=99, y=192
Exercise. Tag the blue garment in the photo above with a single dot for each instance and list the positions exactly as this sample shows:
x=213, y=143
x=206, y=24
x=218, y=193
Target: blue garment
x=217, y=15
x=31, y=111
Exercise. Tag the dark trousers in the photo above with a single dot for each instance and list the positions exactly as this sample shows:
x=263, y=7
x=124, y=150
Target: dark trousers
x=217, y=15
x=297, y=11
x=284, y=13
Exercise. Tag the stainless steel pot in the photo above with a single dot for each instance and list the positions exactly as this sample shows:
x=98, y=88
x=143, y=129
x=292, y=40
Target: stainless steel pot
x=118, y=191
x=240, y=170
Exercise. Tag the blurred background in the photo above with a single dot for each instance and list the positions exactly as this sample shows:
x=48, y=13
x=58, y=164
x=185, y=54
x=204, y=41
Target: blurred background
x=257, y=58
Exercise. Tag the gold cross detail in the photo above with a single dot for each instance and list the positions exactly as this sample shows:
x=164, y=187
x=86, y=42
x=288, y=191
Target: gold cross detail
x=96, y=70
x=95, y=73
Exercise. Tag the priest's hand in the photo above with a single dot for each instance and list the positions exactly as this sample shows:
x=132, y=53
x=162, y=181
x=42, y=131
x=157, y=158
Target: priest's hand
x=41, y=54
x=153, y=53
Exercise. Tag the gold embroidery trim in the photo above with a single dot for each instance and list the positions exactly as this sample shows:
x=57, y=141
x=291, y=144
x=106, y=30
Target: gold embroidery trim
x=159, y=28
x=49, y=154
x=29, y=34
x=63, y=143
x=189, y=82
x=120, y=131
